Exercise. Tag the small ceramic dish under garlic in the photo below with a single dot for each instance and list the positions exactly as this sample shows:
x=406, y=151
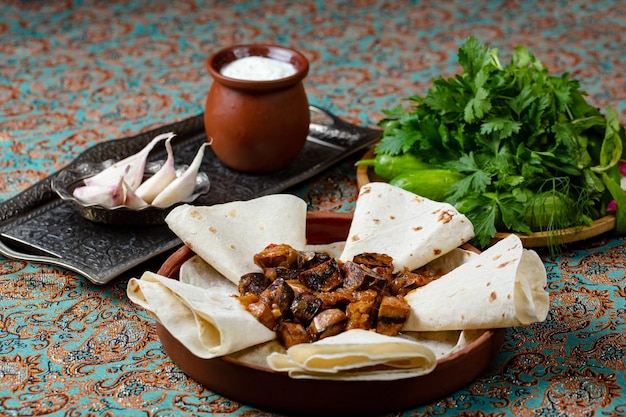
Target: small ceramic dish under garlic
x=66, y=181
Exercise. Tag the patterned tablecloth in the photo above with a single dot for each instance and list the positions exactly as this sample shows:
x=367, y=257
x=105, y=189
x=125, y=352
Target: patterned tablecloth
x=76, y=73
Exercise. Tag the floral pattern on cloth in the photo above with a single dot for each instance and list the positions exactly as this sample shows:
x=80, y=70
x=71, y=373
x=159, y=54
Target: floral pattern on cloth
x=77, y=73
x=69, y=345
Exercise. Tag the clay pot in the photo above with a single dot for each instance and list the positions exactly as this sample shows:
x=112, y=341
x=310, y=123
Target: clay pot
x=257, y=126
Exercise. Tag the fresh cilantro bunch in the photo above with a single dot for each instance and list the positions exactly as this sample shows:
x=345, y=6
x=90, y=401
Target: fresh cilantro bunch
x=534, y=154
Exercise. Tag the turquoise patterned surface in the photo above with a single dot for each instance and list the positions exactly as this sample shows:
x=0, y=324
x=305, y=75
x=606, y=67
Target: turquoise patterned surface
x=76, y=73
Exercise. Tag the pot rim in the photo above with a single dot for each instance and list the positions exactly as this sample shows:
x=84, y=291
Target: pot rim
x=219, y=59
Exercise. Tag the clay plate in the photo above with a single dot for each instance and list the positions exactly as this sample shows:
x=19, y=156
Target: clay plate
x=274, y=391
x=365, y=175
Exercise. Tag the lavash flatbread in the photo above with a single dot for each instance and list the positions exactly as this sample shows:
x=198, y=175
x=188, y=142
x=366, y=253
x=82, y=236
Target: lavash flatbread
x=356, y=354
x=414, y=231
x=197, y=272
x=411, y=229
x=228, y=235
x=502, y=287
x=209, y=322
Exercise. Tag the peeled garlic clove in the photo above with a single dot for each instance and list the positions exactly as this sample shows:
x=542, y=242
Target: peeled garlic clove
x=133, y=165
x=182, y=187
x=151, y=187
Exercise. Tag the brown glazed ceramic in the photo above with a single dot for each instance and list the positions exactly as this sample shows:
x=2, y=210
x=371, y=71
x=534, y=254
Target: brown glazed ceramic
x=277, y=392
x=257, y=126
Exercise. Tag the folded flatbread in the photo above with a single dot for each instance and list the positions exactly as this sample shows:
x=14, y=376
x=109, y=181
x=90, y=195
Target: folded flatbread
x=209, y=322
x=411, y=229
x=502, y=287
x=356, y=355
x=228, y=235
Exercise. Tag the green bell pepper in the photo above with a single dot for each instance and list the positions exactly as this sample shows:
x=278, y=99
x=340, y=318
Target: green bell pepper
x=390, y=166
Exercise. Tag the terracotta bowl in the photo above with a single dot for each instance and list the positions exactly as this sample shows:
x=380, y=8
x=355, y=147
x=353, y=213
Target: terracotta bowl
x=277, y=392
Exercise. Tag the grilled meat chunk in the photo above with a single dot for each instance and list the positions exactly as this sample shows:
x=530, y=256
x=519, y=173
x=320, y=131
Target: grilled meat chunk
x=312, y=259
x=273, y=304
x=289, y=334
x=328, y=323
x=376, y=261
x=405, y=281
x=335, y=299
x=360, y=277
x=323, y=277
x=362, y=311
x=282, y=255
x=275, y=272
x=253, y=283
x=297, y=286
x=392, y=314
x=263, y=313
x=372, y=259
x=305, y=306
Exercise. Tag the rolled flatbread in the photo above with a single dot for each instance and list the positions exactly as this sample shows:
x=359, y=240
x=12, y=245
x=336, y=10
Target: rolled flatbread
x=197, y=272
x=411, y=229
x=502, y=287
x=227, y=236
x=209, y=322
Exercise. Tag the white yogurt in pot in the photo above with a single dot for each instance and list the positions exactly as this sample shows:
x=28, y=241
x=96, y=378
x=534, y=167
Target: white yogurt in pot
x=258, y=68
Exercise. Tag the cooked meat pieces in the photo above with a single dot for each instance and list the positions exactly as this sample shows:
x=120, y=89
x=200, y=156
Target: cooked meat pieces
x=361, y=277
x=289, y=334
x=363, y=310
x=328, y=323
x=405, y=281
x=274, y=303
x=278, y=256
x=305, y=296
x=312, y=259
x=253, y=283
x=281, y=272
x=392, y=313
x=372, y=259
x=323, y=277
x=305, y=306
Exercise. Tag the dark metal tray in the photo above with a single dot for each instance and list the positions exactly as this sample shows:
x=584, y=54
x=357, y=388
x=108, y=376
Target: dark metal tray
x=37, y=226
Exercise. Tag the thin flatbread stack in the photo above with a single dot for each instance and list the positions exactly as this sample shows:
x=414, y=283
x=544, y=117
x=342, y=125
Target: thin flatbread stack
x=415, y=231
x=356, y=355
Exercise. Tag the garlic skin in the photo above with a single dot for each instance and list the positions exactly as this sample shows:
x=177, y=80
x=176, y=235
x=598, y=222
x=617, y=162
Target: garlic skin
x=150, y=188
x=136, y=164
x=182, y=187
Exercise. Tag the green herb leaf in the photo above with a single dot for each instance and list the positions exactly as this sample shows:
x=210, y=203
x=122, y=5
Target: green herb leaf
x=515, y=132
